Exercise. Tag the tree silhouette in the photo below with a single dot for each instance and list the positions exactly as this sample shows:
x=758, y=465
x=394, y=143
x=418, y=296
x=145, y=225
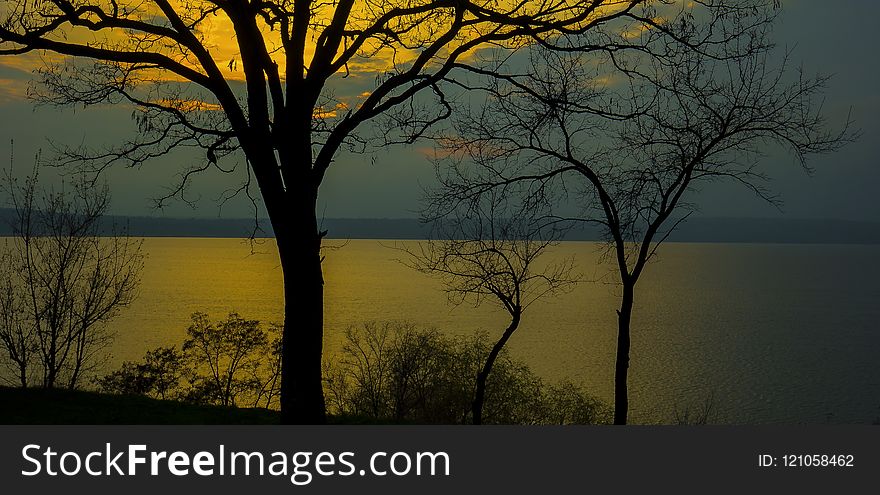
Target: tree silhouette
x=272, y=97
x=65, y=274
x=625, y=143
x=491, y=248
x=230, y=351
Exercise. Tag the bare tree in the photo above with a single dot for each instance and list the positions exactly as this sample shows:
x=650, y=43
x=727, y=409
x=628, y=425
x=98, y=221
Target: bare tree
x=16, y=336
x=624, y=143
x=66, y=275
x=278, y=96
x=232, y=351
x=490, y=248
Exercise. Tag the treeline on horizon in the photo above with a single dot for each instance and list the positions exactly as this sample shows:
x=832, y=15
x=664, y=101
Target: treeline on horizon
x=704, y=229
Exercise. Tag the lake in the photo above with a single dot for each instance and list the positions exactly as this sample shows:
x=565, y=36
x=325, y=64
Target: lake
x=771, y=333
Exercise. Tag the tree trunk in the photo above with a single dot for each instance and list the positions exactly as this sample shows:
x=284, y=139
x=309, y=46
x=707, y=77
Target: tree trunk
x=624, y=316
x=79, y=357
x=50, y=370
x=299, y=247
x=22, y=374
x=483, y=375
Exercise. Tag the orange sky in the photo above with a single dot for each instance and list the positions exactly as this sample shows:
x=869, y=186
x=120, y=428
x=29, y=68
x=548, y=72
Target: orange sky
x=219, y=38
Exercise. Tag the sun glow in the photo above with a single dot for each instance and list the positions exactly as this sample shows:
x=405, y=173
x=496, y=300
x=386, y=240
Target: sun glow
x=390, y=47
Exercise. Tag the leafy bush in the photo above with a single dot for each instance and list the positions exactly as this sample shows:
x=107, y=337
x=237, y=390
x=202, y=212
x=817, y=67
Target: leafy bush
x=397, y=372
x=158, y=376
x=386, y=371
x=566, y=403
x=230, y=362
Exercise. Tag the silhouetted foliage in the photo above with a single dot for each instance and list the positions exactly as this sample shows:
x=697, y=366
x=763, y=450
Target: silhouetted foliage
x=490, y=247
x=229, y=354
x=386, y=372
x=566, y=403
x=232, y=362
x=397, y=372
x=159, y=375
x=63, y=277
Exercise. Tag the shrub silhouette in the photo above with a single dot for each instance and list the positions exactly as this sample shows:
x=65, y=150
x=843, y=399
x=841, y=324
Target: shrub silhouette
x=386, y=372
x=158, y=376
x=394, y=371
x=232, y=362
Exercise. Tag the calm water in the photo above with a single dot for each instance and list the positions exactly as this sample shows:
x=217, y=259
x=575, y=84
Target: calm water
x=774, y=333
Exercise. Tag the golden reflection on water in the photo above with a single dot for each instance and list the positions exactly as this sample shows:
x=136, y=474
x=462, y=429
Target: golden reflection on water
x=750, y=324
x=364, y=281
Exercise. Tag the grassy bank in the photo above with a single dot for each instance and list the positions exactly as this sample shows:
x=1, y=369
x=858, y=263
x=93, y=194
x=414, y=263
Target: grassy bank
x=40, y=406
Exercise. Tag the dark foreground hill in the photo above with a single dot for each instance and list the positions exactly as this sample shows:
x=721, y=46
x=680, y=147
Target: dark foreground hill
x=37, y=406
x=41, y=406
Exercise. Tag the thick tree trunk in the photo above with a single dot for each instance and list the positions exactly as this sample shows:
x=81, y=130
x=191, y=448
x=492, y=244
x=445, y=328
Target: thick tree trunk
x=299, y=245
x=624, y=316
x=483, y=375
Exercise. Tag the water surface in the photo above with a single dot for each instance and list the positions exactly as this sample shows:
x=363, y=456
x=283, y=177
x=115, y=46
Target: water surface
x=773, y=333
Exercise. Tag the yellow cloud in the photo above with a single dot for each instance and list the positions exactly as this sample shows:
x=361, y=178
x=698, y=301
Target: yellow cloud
x=188, y=105
x=12, y=89
x=329, y=113
x=219, y=38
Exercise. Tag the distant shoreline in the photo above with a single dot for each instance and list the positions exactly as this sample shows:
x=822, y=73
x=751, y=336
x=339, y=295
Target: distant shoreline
x=702, y=229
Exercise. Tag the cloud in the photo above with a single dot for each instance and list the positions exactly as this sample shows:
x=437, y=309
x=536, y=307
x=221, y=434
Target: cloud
x=329, y=113
x=188, y=105
x=632, y=32
x=12, y=90
x=13, y=81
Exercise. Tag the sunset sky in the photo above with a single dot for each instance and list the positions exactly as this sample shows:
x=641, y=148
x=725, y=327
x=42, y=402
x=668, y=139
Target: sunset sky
x=836, y=38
